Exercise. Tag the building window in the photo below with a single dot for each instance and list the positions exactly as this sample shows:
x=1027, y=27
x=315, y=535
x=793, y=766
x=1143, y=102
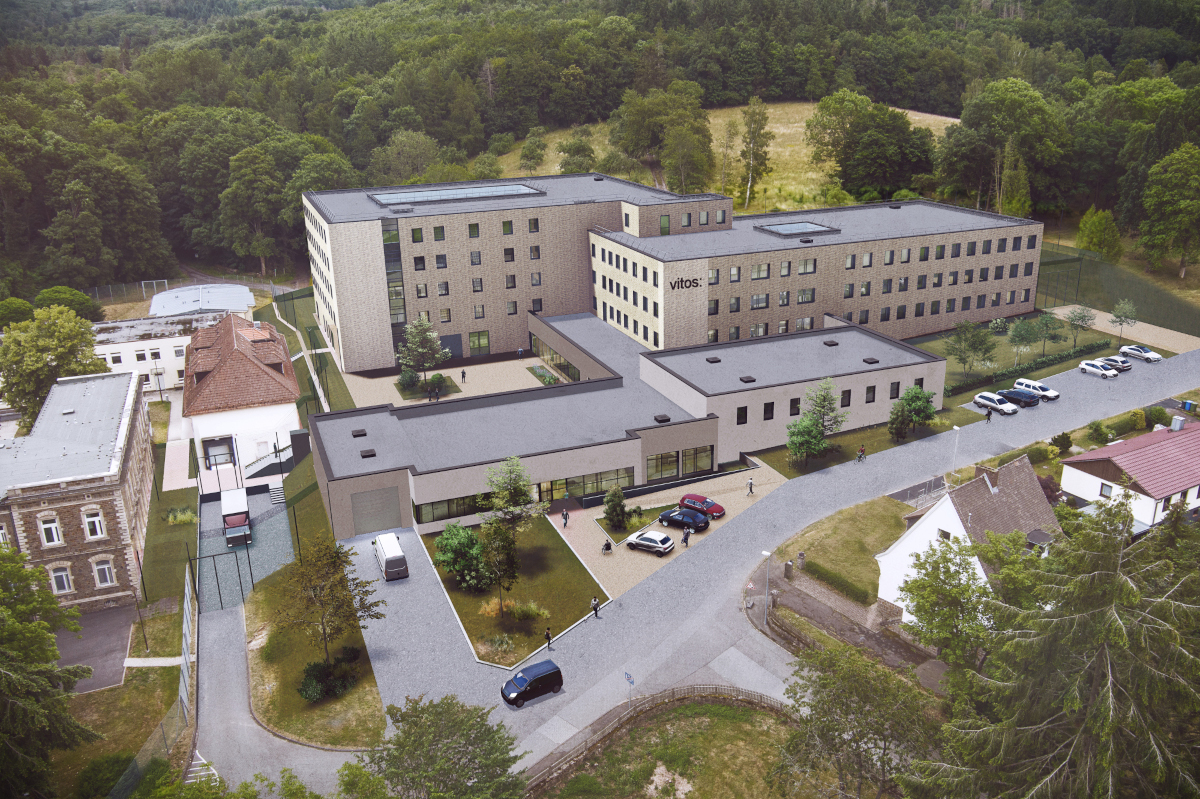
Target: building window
x=419, y=263
x=1012, y=297
x=510, y=254
x=995, y=299
x=805, y=296
x=1025, y=296
x=656, y=338
x=870, y=394
x=479, y=341
x=1013, y=269
x=920, y=310
x=686, y=221
x=998, y=273
x=417, y=235
x=1106, y=490
x=987, y=247
x=919, y=382
x=848, y=291
x=735, y=274
x=970, y=248
x=805, y=323
x=887, y=285
x=954, y=278
x=950, y=305
x=894, y=390
x=443, y=289
x=846, y=398
x=714, y=307
x=535, y=278
x=760, y=271
x=969, y=275
x=116, y=359
x=866, y=261
x=889, y=257
x=439, y=261
x=714, y=277
x=806, y=267
x=1016, y=244
x=104, y=573
x=735, y=333
x=758, y=301
x=924, y=256
x=885, y=313
x=785, y=268
x=1028, y=268
x=535, y=253
x=783, y=326
x=850, y=259
x=61, y=580
x=905, y=255
x=478, y=311
x=721, y=217
x=939, y=252
x=768, y=411
x=512, y=307
x=155, y=355
x=848, y=316
x=784, y=298
x=937, y=280
x=935, y=307
x=51, y=535
x=139, y=356
x=920, y=282
x=626, y=220
x=476, y=284
x=864, y=289
x=864, y=317
x=713, y=336
x=903, y=283
x=900, y=311
x=758, y=329
x=439, y=233
x=3, y=538
x=662, y=466
x=506, y=228
x=966, y=304
x=476, y=258
x=94, y=524
x=510, y=281
x=444, y=315
x=664, y=225
x=1001, y=245
x=423, y=315
x=735, y=304
x=533, y=225
x=704, y=217
x=955, y=250
x=697, y=459
x=473, y=230
x=794, y=406
x=537, y=306
x=741, y=414
x=656, y=310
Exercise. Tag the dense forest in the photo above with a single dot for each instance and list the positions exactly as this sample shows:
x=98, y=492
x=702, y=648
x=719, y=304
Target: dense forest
x=136, y=132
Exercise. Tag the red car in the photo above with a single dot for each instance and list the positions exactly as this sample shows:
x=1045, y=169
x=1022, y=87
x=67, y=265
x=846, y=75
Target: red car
x=703, y=505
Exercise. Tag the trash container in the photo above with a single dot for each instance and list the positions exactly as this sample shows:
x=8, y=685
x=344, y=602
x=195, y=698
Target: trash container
x=787, y=570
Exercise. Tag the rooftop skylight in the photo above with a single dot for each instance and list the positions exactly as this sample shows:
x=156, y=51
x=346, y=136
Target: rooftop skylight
x=464, y=193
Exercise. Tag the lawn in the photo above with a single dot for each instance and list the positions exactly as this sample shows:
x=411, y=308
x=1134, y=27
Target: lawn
x=164, y=632
x=808, y=628
x=848, y=541
x=302, y=379
x=875, y=439
x=716, y=751
x=449, y=386
x=336, y=393
x=551, y=576
x=160, y=420
x=267, y=314
x=166, y=544
x=125, y=714
x=648, y=517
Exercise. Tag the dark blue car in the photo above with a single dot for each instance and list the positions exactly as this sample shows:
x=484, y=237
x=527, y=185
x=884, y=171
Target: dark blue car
x=1019, y=396
x=684, y=517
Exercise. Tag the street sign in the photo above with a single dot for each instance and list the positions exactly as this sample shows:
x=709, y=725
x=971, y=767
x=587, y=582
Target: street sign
x=628, y=678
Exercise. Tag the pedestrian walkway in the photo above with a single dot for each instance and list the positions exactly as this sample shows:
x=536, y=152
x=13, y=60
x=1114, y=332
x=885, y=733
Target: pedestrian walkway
x=303, y=351
x=1143, y=332
x=142, y=663
x=485, y=378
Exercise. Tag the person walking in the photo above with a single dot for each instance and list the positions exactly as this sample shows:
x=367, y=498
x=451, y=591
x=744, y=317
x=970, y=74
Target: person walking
x=437, y=395
x=566, y=518
x=596, y=607
x=429, y=394
x=548, y=638
x=687, y=533
x=750, y=485
x=520, y=353
x=464, y=375
x=988, y=416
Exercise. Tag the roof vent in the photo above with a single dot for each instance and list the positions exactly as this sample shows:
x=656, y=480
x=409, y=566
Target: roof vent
x=359, y=433
x=870, y=360
x=830, y=343
x=258, y=325
x=367, y=453
x=713, y=359
x=597, y=178
x=806, y=241
x=662, y=418
x=70, y=411
x=746, y=379
x=895, y=207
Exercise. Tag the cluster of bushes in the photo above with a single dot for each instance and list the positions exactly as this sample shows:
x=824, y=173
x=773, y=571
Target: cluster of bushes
x=460, y=552
x=617, y=515
x=323, y=679
x=409, y=380
x=518, y=611
x=184, y=515
x=1025, y=368
x=1038, y=453
x=1157, y=415
x=839, y=582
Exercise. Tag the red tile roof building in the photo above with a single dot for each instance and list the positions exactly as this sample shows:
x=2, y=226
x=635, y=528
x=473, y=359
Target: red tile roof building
x=237, y=364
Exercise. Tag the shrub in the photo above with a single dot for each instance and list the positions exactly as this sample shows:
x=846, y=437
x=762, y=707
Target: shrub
x=156, y=773
x=1098, y=433
x=999, y=327
x=327, y=679
x=350, y=654
x=1137, y=419
x=1038, y=453
x=501, y=144
x=311, y=690
x=1157, y=415
x=500, y=644
x=1050, y=487
x=839, y=582
x=100, y=775
x=527, y=611
x=182, y=516
x=1026, y=368
x=615, y=512
x=1063, y=442
x=1121, y=426
x=409, y=379
x=437, y=380
x=272, y=650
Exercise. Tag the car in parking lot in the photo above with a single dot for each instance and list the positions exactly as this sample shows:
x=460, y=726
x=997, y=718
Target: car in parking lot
x=1019, y=396
x=986, y=399
x=532, y=681
x=683, y=517
x=702, y=504
x=1097, y=368
x=1118, y=363
x=1141, y=353
x=1044, y=391
x=651, y=541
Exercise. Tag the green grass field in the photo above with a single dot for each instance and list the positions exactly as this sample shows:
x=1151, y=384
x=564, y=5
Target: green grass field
x=160, y=420
x=551, y=576
x=267, y=314
x=166, y=544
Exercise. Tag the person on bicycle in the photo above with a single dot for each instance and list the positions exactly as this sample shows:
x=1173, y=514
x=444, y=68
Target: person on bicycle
x=862, y=453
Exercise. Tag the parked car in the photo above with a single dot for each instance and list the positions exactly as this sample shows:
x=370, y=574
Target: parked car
x=1097, y=368
x=1019, y=396
x=651, y=541
x=986, y=399
x=1047, y=394
x=683, y=517
x=702, y=504
x=532, y=681
x=1141, y=353
x=1118, y=363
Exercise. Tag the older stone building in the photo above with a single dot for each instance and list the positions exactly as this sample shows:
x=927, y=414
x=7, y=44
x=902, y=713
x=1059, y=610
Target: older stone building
x=75, y=492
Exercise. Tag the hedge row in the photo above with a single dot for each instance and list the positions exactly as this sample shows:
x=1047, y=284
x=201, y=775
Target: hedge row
x=839, y=582
x=1021, y=369
x=1038, y=453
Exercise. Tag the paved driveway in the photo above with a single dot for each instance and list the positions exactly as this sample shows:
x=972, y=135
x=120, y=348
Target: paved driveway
x=102, y=644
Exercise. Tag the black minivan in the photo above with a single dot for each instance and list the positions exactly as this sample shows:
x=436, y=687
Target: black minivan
x=531, y=682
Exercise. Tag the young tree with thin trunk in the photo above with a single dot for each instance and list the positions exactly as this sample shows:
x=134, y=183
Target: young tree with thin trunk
x=823, y=402
x=1047, y=326
x=806, y=438
x=422, y=350
x=1079, y=319
x=918, y=406
x=509, y=507
x=733, y=131
x=1021, y=337
x=756, y=140
x=1124, y=315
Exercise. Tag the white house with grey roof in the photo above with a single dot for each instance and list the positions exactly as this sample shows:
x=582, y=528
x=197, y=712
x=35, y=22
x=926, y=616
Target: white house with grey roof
x=219, y=298
x=155, y=348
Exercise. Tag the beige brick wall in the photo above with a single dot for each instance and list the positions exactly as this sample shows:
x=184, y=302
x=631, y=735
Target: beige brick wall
x=648, y=222
x=364, y=329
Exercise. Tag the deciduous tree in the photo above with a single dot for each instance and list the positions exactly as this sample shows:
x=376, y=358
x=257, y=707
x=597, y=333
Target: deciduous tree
x=509, y=509
x=1172, y=202
x=969, y=344
x=250, y=207
x=945, y=597
x=823, y=402
x=1124, y=315
x=533, y=151
x=806, y=438
x=14, y=309
x=1021, y=337
x=407, y=154
x=460, y=552
x=422, y=350
x=1079, y=319
x=578, y=154
x=1047, y=326
x=918, y=404
x=1098, y=233
x=83, y=305
x=756, y=143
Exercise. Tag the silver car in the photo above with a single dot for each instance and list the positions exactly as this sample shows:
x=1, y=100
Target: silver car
x=1141, y=353
x=651, y=541
x=986, y=399
x=1097, y=368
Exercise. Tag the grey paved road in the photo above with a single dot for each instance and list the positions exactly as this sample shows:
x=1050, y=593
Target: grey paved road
x=685, y=624
x=101, y=643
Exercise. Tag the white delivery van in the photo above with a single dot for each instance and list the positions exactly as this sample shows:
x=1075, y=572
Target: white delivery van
x=390, y=556
x=235, y=516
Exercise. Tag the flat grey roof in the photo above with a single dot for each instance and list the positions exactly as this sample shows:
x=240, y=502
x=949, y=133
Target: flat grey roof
x=849, y=224
x=64, y=446
x=790, y=358
x=357, y=205
x=208, y=297
x=121, y=331
x=459, y=432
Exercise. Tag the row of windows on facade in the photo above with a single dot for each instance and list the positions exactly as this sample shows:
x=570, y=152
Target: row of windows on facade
x=622, y=293
x=316, y=223
x=595, y=483
x=795, y=409
x=314, y=245
x=93, y=526
x=445, y=315
x=509, y=255
x=623, y=264
x=809, y=266
x=939, y=251
x=391, y=233
x=620, y=319
x=443, y=288
x=685, y=220
x=1106, y=492
x=762, y=329
x=103, y=575
x=140, y=355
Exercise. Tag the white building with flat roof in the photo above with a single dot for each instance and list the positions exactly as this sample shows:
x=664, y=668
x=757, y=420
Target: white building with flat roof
x=154, y=348
x=208, y=298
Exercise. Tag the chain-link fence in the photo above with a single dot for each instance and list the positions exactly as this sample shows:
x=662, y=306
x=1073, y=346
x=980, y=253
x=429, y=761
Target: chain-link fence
x=144, y=290
x=1070, y=276
x=286, y=303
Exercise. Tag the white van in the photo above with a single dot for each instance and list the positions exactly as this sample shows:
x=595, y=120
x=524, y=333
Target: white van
x=235, y=517
x=1041, y=389
x=390, y=556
